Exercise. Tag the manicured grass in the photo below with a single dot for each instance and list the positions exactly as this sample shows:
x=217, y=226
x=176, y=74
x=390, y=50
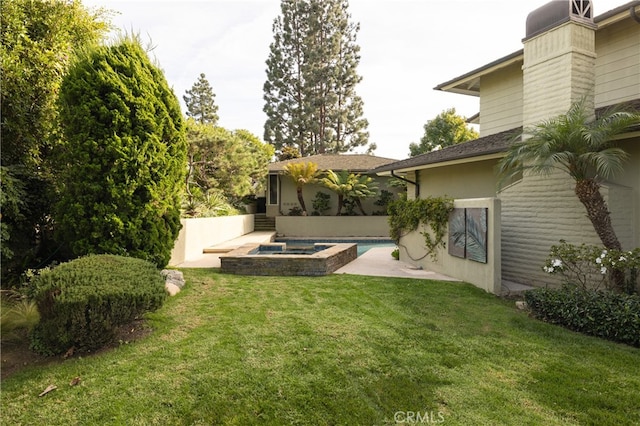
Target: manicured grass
x=337, y=350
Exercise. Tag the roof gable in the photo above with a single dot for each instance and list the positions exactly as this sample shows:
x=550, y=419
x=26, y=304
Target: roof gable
x=487, y=145
x=350, y=162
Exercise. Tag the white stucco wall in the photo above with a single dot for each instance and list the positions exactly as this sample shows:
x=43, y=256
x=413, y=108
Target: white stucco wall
x=199, y=233
x=487, y=276
x=288, y=198
x=332, y=226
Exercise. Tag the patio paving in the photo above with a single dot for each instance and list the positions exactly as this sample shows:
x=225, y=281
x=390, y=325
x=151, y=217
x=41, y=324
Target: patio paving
x=375, y=262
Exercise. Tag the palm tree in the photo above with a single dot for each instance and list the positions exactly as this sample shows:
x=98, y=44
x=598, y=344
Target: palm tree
x=302, y=174
x=363, y=187
x=350, y=186
x=582, y=146
x=340, y=183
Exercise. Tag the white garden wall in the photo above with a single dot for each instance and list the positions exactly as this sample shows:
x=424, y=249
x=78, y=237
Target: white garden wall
x=199, y=233
x=332, y=226
x=487, y=276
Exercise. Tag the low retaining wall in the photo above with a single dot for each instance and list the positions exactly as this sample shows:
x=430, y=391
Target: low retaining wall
x=332, y=226
x=198, y=233
x=487, y=276
x=241, y=262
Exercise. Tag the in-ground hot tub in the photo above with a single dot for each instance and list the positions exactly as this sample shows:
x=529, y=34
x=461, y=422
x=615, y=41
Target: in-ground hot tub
x=276, y=259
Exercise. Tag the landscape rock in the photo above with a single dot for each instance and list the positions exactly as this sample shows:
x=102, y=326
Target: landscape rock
x=172, y=289
x=173, y=276
x=174, y=281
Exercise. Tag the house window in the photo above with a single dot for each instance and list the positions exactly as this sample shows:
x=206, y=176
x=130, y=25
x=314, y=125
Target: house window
x=273, y=189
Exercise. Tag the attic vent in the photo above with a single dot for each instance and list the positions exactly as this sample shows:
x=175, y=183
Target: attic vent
x=557, y=12
x=581, y=8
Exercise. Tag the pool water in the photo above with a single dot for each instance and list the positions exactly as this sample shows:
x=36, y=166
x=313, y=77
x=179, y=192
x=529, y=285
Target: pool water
x=363, y=245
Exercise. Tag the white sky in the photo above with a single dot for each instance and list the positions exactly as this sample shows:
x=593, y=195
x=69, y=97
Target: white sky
x=407, y=48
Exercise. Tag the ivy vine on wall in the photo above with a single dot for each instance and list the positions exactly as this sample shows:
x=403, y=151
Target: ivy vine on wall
x=406, y=215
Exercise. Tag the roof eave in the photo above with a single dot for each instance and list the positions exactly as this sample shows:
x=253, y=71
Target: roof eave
x=466, y=83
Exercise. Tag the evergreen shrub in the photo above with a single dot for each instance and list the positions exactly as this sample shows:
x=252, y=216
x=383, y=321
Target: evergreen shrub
x=604, y=314
x=83, y=302
x=123, y=163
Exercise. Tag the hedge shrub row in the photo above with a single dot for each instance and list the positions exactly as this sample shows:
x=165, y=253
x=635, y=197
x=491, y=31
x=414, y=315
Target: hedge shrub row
x=83, y=302
x=604, y=314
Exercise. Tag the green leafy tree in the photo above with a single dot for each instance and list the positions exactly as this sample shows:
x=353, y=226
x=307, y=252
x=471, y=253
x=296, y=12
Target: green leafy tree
x=310, y=98
x=200, y=102
x=446, y=129
x=581, y=146
x=302, y=174
x=37, y=41
x=125, y=156
x=222, y=162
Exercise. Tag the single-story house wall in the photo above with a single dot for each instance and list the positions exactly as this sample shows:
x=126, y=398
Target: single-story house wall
x=567, y=54
x=282, y=194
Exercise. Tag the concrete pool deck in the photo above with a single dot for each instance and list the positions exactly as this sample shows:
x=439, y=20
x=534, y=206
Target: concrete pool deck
x=375, y=262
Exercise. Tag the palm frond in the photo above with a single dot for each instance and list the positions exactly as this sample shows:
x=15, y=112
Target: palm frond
x=574, y=142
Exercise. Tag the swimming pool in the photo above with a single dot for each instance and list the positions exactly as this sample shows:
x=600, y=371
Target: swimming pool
x=364, y=244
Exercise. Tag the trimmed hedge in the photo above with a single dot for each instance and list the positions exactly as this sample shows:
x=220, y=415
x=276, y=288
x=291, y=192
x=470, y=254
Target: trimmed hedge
x=83, y=302
x=603, y=314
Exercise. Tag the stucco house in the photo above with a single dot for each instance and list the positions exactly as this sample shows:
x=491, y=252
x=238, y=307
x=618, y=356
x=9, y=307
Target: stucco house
x=567, y=54
x=281, y=190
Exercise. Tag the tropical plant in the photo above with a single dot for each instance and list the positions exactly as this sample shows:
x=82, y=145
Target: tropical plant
x=338, y=183
x=350, y=188
x=303, y=173
x=581, y=146
x=363, y=187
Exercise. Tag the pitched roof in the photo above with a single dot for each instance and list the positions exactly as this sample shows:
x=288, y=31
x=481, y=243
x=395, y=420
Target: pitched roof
x=492, y=144
x=352, y=162
x=469, y=83
x=487, y=145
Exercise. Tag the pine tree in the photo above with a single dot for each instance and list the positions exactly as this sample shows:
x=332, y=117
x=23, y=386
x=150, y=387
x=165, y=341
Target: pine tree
x=200, y=102
x=310, y=97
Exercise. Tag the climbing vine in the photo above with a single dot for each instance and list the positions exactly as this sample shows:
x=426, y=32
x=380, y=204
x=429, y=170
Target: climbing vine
x=406, y=215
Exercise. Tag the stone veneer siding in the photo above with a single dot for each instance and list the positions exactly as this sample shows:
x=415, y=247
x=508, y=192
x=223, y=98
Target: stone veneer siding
x=324, y=262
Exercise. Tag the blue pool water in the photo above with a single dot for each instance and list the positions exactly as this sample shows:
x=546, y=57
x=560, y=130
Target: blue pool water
x=363, y=244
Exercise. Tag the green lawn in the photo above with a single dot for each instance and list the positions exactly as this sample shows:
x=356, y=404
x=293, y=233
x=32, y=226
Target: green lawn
x=344, y=350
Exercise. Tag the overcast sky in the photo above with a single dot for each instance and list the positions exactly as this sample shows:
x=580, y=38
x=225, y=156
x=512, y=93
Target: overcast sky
x=407, y=48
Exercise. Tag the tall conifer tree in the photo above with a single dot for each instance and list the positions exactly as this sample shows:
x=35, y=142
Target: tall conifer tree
x=124, y=156
x=200, y=102
x=310, y=98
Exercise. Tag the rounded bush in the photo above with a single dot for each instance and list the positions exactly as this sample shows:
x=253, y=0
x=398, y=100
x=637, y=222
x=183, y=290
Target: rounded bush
x=83, y=302
x=605, y=314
